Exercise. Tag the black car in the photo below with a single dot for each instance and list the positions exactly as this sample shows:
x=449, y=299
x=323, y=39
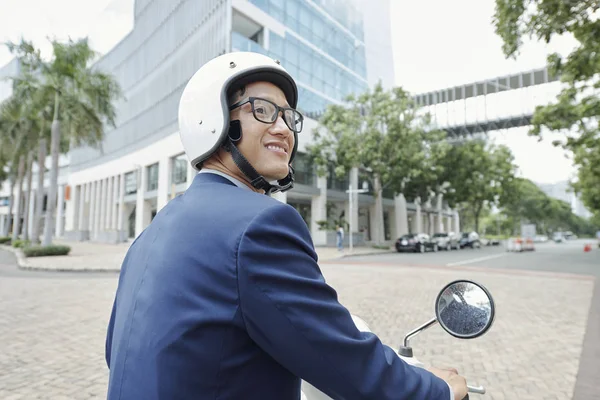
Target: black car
x=418, y=243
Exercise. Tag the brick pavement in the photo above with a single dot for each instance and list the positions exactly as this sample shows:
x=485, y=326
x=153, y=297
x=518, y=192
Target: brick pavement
x=52, y=330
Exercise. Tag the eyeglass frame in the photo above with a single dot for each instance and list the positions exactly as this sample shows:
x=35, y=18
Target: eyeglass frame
x=278, y=108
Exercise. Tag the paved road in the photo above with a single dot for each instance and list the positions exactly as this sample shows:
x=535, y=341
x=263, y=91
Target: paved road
x=566, y=257
x=52, y=325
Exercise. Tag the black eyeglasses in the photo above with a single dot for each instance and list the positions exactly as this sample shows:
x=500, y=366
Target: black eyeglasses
x=267, y=112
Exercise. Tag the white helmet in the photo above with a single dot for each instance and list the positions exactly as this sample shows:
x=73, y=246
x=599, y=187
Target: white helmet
x=204, y=123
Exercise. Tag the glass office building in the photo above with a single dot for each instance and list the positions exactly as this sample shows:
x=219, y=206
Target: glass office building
x=322, y=47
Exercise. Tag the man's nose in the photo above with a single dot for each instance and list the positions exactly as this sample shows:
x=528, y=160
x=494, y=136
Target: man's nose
x=280, y=127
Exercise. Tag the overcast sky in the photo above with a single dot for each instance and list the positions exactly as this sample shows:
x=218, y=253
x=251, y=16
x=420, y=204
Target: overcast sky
x=437, y=44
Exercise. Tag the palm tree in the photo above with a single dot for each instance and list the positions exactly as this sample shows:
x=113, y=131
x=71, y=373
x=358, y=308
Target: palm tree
x=18, y=130
x=27, y=92
x=81, y=99
x=12, y=128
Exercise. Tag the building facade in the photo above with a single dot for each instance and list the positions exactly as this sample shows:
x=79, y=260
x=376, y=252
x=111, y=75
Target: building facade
x=332, y=47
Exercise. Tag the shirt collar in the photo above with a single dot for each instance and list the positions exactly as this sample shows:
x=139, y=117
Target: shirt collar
x=236, y=182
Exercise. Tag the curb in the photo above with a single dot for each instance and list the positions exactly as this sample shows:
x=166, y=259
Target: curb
x=24, y=265
x=21, y=259
x=371, y=253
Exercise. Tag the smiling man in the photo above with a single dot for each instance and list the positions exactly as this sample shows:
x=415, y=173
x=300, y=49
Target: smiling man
x=221, y=297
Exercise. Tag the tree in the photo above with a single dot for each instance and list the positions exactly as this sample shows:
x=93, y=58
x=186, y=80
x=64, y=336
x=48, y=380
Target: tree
x=18, y=141
x=479, y=175
x=576, y=110
x=382, y=134
x=81, y=99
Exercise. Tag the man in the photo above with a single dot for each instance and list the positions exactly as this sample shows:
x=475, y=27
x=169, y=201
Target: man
x=221, y=296
x=340, y=237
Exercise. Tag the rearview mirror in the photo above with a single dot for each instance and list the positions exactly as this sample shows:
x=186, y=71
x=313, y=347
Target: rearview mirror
x=465, y=309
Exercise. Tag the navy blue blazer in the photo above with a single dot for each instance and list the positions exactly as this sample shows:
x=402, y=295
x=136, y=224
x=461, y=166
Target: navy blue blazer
x=221, y=297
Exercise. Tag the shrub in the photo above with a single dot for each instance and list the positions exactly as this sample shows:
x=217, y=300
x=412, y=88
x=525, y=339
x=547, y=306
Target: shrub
x=4, y=239
x=42, y=251
x=21, y=243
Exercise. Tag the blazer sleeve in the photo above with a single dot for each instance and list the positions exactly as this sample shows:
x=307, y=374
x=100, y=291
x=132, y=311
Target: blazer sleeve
x=294, y=315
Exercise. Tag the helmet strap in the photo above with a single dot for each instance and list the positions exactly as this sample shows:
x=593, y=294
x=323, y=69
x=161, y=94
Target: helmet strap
x=256, y=180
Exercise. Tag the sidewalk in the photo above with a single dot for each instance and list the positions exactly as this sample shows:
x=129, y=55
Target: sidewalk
x=87, y=256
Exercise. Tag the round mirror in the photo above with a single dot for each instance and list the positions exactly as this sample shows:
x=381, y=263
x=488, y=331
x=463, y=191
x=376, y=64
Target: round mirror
x=465, y=309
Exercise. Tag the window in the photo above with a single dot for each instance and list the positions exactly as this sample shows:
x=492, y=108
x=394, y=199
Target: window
x=131, y=182
x=179, y=169
x=152, y=181
x=333, y=182
x=303, y=169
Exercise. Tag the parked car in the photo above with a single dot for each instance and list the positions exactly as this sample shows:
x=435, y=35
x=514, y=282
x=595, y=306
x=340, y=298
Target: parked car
x=469, y=239
x=446, y=241
x=418, y=243
x=540, y=239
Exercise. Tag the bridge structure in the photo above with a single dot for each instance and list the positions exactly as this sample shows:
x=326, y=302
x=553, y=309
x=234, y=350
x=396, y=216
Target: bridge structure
x=500, y=103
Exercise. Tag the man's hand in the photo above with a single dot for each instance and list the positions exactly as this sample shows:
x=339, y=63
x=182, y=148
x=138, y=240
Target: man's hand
x=456, y=382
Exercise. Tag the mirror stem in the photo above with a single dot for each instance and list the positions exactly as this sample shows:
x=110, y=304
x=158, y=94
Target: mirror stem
x=415, y=332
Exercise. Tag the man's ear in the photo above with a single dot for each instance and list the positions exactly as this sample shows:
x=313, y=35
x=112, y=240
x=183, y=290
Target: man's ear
x=235, y=130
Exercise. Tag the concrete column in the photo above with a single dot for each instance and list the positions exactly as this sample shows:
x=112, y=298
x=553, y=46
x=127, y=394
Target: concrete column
x=418, y=217
x=102, y=226
x=2, y=223
x=401, y=215
x=91, y=217
x=448, y=219
x=31, y=212
x=83, y=197
x=431, y=223
x=72, y=212
x=98, y=208
x=121, y=213
x=456, y=222
x=282, y=197
x=60, y=212
x=164, y=172
x=440, y=216
x=115, y=203
x=110, y=203
x=355, y=206
x=191, y=174
x=318, y=212
x=140, y=208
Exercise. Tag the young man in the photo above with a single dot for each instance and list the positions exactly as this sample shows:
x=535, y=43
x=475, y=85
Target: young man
x=221, y=297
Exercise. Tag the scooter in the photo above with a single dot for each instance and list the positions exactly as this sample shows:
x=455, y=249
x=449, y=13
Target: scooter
x=463, y=308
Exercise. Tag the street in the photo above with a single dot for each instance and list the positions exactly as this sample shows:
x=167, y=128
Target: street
x=52, y=325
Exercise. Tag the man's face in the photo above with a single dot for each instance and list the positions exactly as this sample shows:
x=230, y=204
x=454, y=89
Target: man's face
x=267, y=147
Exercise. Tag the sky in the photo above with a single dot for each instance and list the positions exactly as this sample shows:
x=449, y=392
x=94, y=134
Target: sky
x=437, y=44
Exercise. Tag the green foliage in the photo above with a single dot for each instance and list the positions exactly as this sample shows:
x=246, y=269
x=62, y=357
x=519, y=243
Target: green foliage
x=5, y=239
x=43, y=251
x=480, y=175
x=381, y=247
x=381, y=133
x=20, y=243
x=384, y=135
x=576, y=110
x=530, y=204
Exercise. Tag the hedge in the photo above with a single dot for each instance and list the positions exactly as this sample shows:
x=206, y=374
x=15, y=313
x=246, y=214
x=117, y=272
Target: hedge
x=4, y=239
x=41, y=251
x=21, y=243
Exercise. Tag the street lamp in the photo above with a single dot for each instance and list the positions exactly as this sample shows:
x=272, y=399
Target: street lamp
x=350, y=192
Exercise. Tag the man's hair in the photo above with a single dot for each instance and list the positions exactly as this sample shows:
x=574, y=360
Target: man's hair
x=235, y=94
